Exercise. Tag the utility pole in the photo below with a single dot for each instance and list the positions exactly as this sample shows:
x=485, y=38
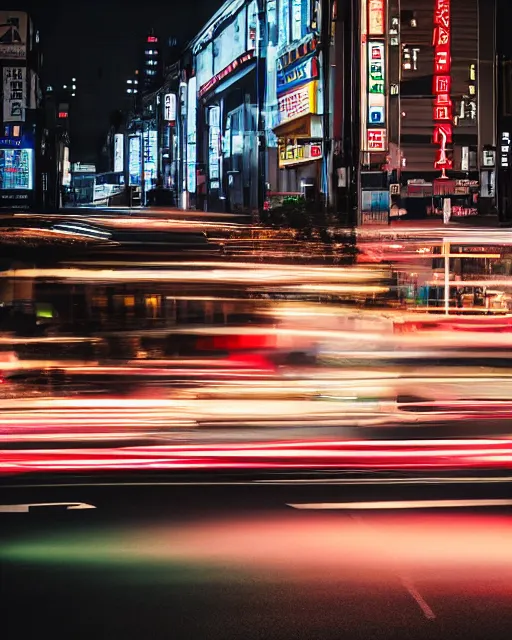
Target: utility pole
x=353, y=107
x=261, y=76
x=325, y=50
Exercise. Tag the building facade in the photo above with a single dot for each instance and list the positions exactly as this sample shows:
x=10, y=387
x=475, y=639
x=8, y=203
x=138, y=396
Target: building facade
x=428, y=109
x=222, y=111
x=295, y=91
x=375, y=109
x=19, y=62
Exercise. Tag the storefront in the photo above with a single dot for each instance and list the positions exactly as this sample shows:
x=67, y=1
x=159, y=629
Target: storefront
x=444, y=199
x=225, y=142
x=17, y=170
x=299, y=130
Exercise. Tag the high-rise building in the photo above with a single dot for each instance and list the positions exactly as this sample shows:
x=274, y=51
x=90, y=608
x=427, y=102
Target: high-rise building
x=427, y=108
x=20, y=62
x=151, y=71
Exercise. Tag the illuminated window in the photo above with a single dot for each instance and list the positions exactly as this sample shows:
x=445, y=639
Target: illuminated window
x=472, y=90
x=467, y=109
x=472, y=72
x=284, y=22
x=299, y=18
x=272, y=22
x=408, y=19
x=410, y=58
x=16, y=131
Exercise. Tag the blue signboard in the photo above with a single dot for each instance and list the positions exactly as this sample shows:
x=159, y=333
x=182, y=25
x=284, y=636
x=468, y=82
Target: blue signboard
x=297, y=73
x=376, y=115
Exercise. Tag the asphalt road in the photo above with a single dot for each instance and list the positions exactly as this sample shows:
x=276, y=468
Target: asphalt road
x=203, y=561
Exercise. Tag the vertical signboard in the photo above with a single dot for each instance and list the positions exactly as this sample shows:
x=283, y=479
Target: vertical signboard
x=373, y=77
x=66, y=166
x=376, y=84
x=505, y=149
x=150, y=158
x=134, y=161
x=191, y=134
x=13, y=35
x=118, y=153
x=442, y=108
x=15, y=94
x=170, y=107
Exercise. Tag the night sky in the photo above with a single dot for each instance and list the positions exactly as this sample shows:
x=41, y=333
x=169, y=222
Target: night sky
x=98, y=42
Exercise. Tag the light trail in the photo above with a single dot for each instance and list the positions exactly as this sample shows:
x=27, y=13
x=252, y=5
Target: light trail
x=362, y=455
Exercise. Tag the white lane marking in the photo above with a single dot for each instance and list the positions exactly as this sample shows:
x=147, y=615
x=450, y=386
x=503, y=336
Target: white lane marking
x=399, y=504
x=416, y=595
x=407, y=583
x=276, y=482
x=399, y=481
x=25, y=508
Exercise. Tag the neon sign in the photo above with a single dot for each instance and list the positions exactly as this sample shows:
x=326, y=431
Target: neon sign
x=442, y=108
x=232, y=66
x=297, y=73
x=297, y=103
x=376, y=140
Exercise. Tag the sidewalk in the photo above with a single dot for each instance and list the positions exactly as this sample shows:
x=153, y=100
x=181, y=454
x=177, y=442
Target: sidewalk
x=155, y=212
x=483, y=222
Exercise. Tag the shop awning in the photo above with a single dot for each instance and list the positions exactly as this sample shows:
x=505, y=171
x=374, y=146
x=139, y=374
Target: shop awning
x=236, y=77
x=308, y=126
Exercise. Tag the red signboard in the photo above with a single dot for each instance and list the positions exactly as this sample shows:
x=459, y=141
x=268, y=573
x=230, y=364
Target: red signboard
x=376, y=140
x=218, y=77
x=443, y=134
x=442, y=107
x=442, y=84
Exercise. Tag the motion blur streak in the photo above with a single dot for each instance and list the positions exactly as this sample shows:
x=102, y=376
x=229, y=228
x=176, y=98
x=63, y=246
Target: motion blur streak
x=399, y=504
x=347, y=455
x=270, y=546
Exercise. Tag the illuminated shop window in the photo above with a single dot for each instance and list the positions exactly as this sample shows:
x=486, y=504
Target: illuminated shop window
x=16, y=168
x=410, y=58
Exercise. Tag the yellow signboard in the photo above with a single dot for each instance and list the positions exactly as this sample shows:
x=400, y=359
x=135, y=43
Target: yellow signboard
x=297, y=102
x=299, y=152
